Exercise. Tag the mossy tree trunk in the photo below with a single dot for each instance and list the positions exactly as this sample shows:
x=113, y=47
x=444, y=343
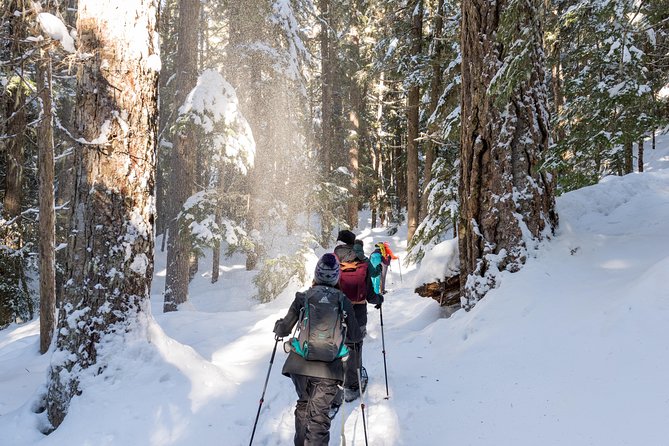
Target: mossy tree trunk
x=506, y=200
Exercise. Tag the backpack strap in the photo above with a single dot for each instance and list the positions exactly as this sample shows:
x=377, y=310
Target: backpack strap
x=349, y=266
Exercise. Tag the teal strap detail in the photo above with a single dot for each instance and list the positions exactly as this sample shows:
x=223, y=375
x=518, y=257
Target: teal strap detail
x=343, y=351
x=297, y=348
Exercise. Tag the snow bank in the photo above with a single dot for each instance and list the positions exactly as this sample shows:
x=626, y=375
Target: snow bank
x=440, y=262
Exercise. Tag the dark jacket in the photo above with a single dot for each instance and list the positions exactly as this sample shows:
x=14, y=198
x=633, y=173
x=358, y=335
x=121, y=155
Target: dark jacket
x=346, y=253
x=296, y=364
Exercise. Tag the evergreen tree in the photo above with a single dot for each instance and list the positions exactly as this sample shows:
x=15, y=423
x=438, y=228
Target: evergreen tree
x=605, y=88
x=183, y=158
x=110, y=264
x=506, y=199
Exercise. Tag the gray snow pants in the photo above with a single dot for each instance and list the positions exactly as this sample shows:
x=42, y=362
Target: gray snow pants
x=314, y=398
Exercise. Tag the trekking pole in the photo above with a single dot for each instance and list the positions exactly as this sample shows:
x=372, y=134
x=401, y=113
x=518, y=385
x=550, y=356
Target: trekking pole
x=383, y=346
x=343, y=419
x=362, y=407
x=400, y=264
x=262, y=397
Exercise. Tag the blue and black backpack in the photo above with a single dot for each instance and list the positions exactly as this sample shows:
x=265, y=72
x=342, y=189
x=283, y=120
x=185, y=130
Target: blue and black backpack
x=320, y=332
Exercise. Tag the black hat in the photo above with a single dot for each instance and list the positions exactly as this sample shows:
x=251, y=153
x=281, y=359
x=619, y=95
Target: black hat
x=346, y=236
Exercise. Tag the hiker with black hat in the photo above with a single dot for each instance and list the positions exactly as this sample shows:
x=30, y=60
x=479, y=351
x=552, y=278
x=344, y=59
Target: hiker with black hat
x=355, y=281
x=315, y=364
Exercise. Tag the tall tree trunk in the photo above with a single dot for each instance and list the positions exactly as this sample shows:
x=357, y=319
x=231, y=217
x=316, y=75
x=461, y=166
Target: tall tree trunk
x=354, y=152
x=628, y=157
x=553, y=16
x=216, y=254
x=506, y=203
x=653, y=138
x=374, y=199
x=640, y=157
x=413, y=102
x=14, y=112
x=110, y=257
x=379, y=195
x=15, y=153
x=556, y=83
x=327, y=126
x=182, y=173
x=15, y=115
x=398, y=171
x=167, y=115
x=64, y=169
x=258, y=175
x=47, y=213
x=435, y=94
x=384, y=183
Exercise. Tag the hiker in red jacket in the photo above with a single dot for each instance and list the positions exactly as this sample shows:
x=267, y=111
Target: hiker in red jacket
x=355, y=281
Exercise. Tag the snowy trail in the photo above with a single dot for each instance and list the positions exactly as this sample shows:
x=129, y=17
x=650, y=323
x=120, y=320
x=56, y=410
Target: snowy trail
x=218, y=336
x=572, y=350
x=239, y=343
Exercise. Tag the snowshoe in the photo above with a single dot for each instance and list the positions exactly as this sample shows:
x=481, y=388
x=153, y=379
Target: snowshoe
x=352, y=393
x=334, y=409
x=364, y=378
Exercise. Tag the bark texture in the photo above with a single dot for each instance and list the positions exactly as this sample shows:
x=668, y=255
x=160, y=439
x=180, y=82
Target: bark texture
x=413, y=101
x=628, y=157
x=506, y=202
x=182, y=175
x=47, y=213
x=445, y=292
x=110, y=257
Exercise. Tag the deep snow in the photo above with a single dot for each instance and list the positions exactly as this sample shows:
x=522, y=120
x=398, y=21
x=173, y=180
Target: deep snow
x=572, y=350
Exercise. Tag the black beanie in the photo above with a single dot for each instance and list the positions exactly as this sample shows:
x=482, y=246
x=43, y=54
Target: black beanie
x=346, y=236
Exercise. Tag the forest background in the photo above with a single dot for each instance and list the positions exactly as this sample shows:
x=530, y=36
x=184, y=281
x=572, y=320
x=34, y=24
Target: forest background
x=294, y=115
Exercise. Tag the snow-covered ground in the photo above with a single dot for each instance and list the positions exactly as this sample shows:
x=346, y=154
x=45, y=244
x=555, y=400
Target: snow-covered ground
x=573, y=350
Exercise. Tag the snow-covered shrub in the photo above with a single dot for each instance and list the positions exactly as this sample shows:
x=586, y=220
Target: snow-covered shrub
x=211, y=217
x=276, y=273
x=329, y=200
x=17, y=302
x=212, y=105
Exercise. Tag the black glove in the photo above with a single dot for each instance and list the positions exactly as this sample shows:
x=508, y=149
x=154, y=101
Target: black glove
x=280, y=329
x=379, y=298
